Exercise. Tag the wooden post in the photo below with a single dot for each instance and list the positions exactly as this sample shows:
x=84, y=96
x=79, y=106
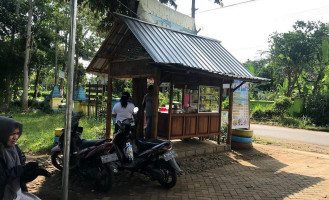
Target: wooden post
x=183, y=97
x=139, y=88
x=170, y=106
x=89, y=100
x=96, y=109
x=109, y=107
x=230, y=116
x=220, y=107
x=155, y=104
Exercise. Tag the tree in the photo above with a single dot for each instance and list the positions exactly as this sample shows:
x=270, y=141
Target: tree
x=86, y=37
x=27, y=58
x=294, y=52
x=11, y=28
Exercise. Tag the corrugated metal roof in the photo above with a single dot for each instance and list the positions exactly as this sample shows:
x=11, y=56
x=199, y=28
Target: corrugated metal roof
x=170, y=46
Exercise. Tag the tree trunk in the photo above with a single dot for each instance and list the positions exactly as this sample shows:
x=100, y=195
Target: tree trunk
x=36, y=83
x=7, y=98
x=56, y=55
x=27, y=59
x=193, y=9
x=76, y=68
x=289, y=90
x=65, y=63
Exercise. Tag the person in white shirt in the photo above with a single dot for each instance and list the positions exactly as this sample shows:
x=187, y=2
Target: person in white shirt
x=123, y=109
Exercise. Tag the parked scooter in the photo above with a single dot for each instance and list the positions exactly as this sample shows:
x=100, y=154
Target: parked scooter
x=85, y=157
x=154, y=158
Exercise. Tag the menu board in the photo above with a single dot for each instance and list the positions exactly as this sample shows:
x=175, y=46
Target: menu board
x=208, y=99
x=240, y=114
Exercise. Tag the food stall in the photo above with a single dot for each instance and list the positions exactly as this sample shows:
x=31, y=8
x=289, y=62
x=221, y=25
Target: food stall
x=196, y=65
x=198, y=115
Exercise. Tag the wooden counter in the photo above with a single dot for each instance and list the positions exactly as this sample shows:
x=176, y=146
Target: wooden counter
x=178, y=126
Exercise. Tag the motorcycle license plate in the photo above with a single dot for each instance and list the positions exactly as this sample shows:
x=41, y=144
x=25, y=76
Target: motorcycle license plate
x=169, y=155
x=109, y=158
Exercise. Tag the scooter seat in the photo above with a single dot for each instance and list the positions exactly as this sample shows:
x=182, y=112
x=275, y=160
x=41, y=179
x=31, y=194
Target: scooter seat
x=88, y=143
x=144, y=144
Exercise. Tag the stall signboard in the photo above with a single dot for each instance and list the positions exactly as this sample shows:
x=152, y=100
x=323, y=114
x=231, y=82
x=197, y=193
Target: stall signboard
x=240, y=113
x=155, y=12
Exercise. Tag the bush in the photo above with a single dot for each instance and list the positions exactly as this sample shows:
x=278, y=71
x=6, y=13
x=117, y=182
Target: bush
x=264, y=113
x=282, y=105
x=290, y=121
x=317, y=109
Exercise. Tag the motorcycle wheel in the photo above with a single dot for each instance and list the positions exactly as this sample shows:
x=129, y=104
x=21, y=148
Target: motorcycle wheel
x=57, y=160
x=169, y=175
x=103, y=180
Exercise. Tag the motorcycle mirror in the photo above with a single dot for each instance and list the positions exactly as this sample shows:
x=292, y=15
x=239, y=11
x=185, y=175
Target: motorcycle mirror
x=136, y=110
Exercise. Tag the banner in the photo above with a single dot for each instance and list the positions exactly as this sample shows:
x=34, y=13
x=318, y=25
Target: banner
x=240, y=114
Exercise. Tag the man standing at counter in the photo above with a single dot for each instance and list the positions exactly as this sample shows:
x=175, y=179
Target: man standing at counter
x=148, y=107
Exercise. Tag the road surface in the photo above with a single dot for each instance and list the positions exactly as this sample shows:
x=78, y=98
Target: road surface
x=300, y=135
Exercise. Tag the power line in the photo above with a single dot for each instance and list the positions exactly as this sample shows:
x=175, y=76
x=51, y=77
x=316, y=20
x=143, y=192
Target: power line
x=225, y=6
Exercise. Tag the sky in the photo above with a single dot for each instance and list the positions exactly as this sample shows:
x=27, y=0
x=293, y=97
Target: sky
x=244, y=29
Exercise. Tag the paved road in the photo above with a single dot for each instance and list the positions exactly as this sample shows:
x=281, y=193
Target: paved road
x=312, y=137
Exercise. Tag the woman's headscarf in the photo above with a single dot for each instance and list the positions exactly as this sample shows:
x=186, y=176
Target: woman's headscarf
x=9, y=154
x=7, y=127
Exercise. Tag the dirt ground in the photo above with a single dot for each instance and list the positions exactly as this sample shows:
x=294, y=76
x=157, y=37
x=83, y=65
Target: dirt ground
x=82, y=188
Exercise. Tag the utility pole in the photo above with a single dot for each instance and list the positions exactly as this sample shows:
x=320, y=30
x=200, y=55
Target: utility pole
x=69, y=98
x=193, y=9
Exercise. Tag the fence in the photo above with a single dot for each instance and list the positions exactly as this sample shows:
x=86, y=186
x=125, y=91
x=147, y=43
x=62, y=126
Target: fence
x=97, y=100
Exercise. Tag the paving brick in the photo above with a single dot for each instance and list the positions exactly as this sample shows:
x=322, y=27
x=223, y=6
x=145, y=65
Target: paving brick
x=270, y=178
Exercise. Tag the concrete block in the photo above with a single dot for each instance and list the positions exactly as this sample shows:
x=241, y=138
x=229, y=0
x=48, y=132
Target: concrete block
x=220, y=148
x=181, y=154
x=199, y=151
x=210, y=150
x=190, y=153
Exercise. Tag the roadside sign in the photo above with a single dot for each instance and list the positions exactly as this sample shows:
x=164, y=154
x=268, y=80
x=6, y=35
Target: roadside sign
x=61, y=74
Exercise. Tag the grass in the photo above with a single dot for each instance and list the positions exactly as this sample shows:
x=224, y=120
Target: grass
x=39, y=130
x=289, y=122
x=259, y=140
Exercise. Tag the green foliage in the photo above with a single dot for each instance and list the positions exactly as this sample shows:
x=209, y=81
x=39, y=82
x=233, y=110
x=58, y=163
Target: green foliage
x=298, y=55
x=282, y=105
x=264, y=95
x=264, y=113
x=290, y=121
x=251, y=69
x=163, y=99
x=225, y=103
x=278, y=109
x=317, y=109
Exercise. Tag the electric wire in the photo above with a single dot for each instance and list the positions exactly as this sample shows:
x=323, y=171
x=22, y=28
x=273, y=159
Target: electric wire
x=225, y=6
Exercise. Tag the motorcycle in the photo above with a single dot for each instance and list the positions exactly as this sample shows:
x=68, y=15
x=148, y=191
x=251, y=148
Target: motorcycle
x=151, y=157
x=86, y=157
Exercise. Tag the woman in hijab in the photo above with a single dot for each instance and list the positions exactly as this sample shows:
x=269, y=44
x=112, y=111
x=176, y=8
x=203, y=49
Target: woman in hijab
x=14, y=174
